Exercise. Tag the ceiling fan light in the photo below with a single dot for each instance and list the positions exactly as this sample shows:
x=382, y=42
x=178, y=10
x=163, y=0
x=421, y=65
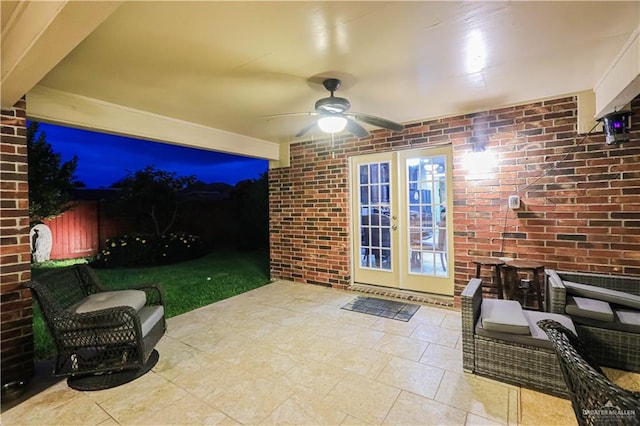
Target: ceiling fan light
x=332, y=124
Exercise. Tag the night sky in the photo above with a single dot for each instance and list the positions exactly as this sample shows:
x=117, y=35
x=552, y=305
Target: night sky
x=104, y=159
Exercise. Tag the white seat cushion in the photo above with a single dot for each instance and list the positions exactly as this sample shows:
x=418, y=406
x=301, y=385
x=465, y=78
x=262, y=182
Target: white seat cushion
x=110, y=299
x=589, y=308
x=503, y=316
x=149, y=316
x=629, y=320
x=537, y=337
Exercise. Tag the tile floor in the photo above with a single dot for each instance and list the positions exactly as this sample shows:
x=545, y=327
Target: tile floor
x=287, y=354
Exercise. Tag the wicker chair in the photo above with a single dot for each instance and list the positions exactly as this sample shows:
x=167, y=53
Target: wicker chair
x=611, y=348
x=511, y=362
x=99, y=346
x=595, y=399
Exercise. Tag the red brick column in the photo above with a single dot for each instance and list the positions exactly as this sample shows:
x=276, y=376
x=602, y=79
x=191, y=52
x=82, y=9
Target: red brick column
x=16, y=317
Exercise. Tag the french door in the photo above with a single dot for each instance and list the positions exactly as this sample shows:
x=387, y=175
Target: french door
x=402, y=232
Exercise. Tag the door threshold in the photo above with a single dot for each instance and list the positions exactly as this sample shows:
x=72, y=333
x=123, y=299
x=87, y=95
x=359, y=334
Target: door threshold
x=396, y=293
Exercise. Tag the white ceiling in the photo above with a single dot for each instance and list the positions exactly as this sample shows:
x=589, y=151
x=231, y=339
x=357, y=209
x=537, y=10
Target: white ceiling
x=225, y=65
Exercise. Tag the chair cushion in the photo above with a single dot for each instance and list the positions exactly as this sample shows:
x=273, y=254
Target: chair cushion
x=589, y=308
x=600, y=293
x=503, y=316
x=538, y=337
x=149, y=316
x=630, y=320
x=110, y=299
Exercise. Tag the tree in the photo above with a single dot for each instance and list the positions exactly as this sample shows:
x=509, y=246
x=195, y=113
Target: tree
x=151, y=194
x=251, y=201
x=50, y=180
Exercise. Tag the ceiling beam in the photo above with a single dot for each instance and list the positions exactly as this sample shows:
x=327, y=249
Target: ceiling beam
x=38, y=35
x=621, y=82
x=68, y=109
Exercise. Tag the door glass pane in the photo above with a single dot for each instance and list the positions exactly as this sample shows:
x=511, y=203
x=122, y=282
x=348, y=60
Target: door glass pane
x=364, y=174
x=375, y=221
x=426, y=215
x=374, y=173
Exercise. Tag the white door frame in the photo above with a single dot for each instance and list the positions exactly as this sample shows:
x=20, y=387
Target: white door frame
x=399, y=274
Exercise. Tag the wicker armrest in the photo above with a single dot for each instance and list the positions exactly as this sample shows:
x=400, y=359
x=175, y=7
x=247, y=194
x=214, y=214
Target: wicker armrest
x=471, y=303
x=155, y=293
x=556, y=293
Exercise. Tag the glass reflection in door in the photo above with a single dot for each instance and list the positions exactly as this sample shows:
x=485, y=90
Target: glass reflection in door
x=426, y=215
x=375, y=215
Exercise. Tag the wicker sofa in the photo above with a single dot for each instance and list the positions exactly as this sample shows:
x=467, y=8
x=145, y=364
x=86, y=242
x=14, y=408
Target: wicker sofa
x=614, y=342
x=528, y=361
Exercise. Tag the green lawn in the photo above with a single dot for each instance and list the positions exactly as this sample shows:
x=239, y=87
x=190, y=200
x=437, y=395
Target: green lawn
x=187, y=285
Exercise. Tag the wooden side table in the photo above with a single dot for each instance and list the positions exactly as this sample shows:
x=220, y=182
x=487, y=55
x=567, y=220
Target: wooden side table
x=496, y=263
x=512, y=270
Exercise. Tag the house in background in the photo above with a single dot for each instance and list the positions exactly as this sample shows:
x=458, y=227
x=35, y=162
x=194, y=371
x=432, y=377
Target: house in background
x=497, y=99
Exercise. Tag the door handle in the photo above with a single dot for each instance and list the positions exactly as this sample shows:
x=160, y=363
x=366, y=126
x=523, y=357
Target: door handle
x=394, y=227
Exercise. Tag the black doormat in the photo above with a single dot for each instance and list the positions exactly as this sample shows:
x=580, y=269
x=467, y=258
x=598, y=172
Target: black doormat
x=382, y=308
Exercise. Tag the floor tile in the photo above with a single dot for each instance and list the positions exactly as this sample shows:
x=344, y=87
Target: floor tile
x=178, y=359
x=322, y=349
x=396, y=327
x=185, y=411
x=412, y=376
x=452, y=320
x=139, y=399
x=412, y=409
x=475, y=420
x=183, y=325
x=363, y=398
x=435, y=334
x=271, y=363
x=313, y=376
x=50, y=399
x=365, y=362
x=353, y=421
x=443, y=357
x=251, y=400
x=486, y=398
x=109, y=422
x=211, y=380
x=282, y=316
x=430, y=316
x=74, y=410
x=624, y=379
x=401, y=346
x=299, y=410
x=542, y=409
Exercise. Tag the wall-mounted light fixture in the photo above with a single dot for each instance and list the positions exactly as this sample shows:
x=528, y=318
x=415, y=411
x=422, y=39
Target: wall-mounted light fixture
x=616, y=127
x=479, y=144
x=332, y=123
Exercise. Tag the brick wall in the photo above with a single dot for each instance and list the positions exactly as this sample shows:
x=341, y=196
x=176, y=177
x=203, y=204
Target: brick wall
x=580, y=198
x=15, y=303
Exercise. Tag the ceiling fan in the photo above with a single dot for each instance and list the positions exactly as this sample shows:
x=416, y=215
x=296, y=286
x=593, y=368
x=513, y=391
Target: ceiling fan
x=334, y=116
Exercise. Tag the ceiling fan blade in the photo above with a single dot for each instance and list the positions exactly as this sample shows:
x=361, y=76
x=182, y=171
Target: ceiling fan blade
x=306, y=130
x=289, y=114
x=356, y=129
x=376, y=121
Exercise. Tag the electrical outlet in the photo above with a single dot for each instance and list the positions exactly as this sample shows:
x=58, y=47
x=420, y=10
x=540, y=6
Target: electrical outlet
x=514, y=202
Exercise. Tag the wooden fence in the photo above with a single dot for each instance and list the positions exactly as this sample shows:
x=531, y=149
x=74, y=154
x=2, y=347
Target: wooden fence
x=82, y=231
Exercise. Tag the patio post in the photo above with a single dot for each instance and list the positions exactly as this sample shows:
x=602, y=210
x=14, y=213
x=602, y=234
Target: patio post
x=16, y=316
